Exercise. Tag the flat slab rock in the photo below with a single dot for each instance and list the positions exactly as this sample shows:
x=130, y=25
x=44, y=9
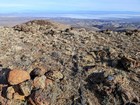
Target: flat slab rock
x=17, y=76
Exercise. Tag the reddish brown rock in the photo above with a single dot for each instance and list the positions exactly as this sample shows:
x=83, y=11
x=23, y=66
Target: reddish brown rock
x=17, y=76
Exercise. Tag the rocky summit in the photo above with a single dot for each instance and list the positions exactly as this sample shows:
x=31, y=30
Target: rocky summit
x=48, y=63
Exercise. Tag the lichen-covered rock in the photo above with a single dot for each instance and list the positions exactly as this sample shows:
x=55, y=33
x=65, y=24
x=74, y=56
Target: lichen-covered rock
x=17, y=76
x=39, y=82
x=10, y=92
x=48, y=82
x=26, y=87
x=57, y=75
x=54, y=75
x=17, y=96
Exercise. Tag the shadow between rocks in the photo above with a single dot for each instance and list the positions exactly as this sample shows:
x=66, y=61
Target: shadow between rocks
x=92, y=81
x=3, y=75
x=106, y=92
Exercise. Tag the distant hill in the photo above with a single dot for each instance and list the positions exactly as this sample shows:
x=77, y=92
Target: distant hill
x=94, y=24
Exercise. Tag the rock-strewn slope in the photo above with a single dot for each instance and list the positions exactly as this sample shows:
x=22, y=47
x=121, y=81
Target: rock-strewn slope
x=67, y=66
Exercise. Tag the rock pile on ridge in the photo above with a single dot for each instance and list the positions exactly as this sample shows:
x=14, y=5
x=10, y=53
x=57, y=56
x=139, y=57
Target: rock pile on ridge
x=47, y=63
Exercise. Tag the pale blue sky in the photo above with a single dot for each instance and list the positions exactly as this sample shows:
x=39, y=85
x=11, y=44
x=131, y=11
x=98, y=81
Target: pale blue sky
x=9, y=6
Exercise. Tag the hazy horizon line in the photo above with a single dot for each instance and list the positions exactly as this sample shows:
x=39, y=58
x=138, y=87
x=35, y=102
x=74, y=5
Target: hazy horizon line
x=78, y=11
x=75, y=14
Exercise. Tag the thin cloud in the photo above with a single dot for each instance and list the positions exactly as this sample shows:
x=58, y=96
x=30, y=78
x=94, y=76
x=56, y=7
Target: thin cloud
x=70, y=5
x=11, y=5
